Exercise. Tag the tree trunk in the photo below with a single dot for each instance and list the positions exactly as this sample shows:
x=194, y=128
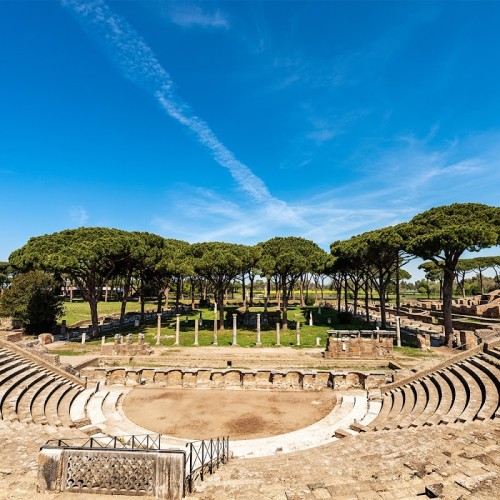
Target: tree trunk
x=142, y=301
x=159, y=302
x=243, y=291
x=398, y=298
x=192, y=294
x=252, y=278
x=302, y=302
x=367, y=309
x=220, y=306
x=177, y=294
x=448, y=278
x=346, y=294
x=356, y=292
x=93, y=314
x=126, y=291
x=167, y=290
x=285, y=304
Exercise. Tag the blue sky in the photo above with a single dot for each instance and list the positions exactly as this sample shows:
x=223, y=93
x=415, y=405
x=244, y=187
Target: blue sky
x=239, y=121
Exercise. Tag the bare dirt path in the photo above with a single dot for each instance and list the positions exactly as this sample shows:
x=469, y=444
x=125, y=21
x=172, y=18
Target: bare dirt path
x=240, y=414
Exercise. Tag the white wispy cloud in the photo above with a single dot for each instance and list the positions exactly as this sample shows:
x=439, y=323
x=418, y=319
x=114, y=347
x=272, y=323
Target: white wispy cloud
x=78, y=215
x=135, y=59
x=188, y=16
x=323, y=135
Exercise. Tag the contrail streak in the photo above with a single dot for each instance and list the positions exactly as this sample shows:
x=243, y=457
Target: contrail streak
x=137, y=62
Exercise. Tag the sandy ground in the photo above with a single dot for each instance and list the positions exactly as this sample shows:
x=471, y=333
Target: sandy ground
x=241, y=414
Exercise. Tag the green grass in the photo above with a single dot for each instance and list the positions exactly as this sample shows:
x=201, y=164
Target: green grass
x=413, y=352
x=79, y=311
x=245, y=337
x=71, y=352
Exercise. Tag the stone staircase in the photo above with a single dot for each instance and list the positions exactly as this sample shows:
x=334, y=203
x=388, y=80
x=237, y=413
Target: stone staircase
x=433, y=433
x=465, y=391
x=33, y=395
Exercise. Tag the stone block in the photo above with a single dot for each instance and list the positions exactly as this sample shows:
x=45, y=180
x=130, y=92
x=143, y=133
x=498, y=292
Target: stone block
x=248, y=380
x=203, y=378
x=263, y=379
x=46, y=338
x=293, y=380
x=232, y=378
x=159, y=474
x=160, y=378
x=189, y=379
x=116, y=376
x=174, y=378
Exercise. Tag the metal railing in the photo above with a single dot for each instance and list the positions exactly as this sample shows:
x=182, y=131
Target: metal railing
x=142, y=442
x=204, y=457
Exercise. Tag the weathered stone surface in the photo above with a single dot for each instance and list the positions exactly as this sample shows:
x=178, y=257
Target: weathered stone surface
x=112, y=472
x=350, y=344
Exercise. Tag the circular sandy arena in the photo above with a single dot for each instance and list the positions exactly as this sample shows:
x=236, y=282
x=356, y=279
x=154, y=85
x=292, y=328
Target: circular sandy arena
x=202, y=414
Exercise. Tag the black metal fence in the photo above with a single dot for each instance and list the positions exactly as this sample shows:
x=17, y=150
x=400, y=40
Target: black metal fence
x=133, y=442
x=203, y=458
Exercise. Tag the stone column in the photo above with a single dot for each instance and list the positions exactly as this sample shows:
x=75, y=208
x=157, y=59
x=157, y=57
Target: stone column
x=318, y=341
x=177, y=328
x=297, y=334
x=235, y=329
x=84, y=336
x=278, y=336
x=398, y=331
x=258, y=344
x=103, y=340
x=158, y=329
x=196, y=333
x=310, y=318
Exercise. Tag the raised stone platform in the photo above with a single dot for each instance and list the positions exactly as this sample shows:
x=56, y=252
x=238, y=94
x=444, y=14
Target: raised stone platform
x=236, y=378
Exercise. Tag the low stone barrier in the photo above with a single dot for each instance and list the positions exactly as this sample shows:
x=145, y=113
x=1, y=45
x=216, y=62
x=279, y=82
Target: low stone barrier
x=205, y=378
x=105, y=471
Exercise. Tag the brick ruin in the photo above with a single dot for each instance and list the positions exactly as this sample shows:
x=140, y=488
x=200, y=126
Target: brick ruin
x=355, y=344
x=127, y=348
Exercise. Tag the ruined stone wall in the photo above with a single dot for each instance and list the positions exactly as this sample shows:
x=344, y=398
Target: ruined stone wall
x=200, y=378
x=158, y=474
x=356, y=348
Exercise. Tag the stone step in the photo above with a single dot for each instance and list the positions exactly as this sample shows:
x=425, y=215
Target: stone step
x=26, y=402
x=433, y=401
x=414, y=414
x=493, y=372
x=41, y=399
x=460, y=396
x=475, y=396
x=78, y=405
x=22, y=375
x=12, y=401
x=446, y=399
x=489, y=389
x=63, y=410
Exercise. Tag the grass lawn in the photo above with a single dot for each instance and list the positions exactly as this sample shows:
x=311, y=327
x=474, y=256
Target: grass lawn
x=79, y=311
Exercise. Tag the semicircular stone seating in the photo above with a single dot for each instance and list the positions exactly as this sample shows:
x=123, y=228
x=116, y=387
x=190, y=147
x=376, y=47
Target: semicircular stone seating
x=465, y=391
x=32, y=395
